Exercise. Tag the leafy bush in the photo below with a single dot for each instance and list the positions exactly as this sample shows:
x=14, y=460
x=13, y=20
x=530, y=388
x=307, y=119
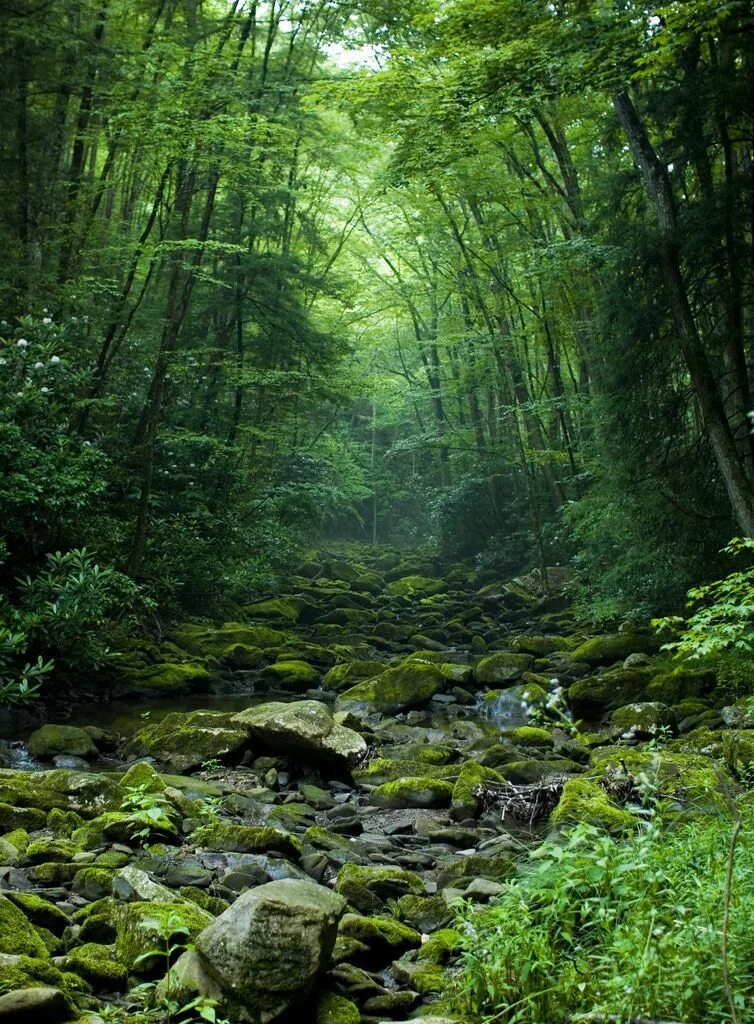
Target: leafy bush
x=627, y=927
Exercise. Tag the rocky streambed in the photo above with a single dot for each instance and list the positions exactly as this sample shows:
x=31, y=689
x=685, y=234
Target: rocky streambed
x=381, y=743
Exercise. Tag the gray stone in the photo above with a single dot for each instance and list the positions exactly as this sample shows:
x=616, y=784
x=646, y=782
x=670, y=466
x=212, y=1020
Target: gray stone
x=33, y=1005
x=304, y=727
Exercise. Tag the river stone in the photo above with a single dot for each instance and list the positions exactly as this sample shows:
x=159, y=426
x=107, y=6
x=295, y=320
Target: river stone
x=131, y=884
x=33, y=1005
x=304, y=727
x=266, y=951
x=50, y=740
x=407, y=685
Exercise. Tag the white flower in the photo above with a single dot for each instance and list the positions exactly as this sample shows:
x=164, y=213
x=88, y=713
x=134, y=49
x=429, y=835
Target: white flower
x=55, y=360
x=22, y=343
x=39, y=366
x=47, y=320
x=3, y=362
x=45, y=391
x=45, y=310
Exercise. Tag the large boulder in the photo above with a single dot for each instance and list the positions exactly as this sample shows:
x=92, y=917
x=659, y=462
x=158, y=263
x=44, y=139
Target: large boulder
x=50, y=740
x=591, y=698
x=185, y=740
x=407, y=685
x=165, y=678
x=264, y=954
x=504, y=667
x=415, y=586
x=87, y=793
x=304, y=727
x=612, y=647
x=221, y=641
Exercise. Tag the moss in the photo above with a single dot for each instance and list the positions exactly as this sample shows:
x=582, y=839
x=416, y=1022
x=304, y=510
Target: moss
x=681, y=683
x=93, y=883
x=585, y=800
x=642, y=721
x=17, y=934
x=144, y=776
x=53, y=873
x=224, y=838
x=504, y=667
x=465, y=803
x=367, y=888
x=526, y=772
x=690, y=780
x=185, y=740
x=49, y=740
x=496, y=867
x=115, y=826
x=416, y=791
x=385, y=769
x=591, y=698
x=540, y=646
x=424, y=978
x=40, y=911
x=442, y=947
x=612, y=647
x=342, y=676
x=530, y=736
x=424, y=913
x=95, y=964
x=280, y=609
x=112, y=859
x=63, y=823
x=406, y=685
x=738, y=750
x=25, y=972
x=335, y=1009
x=294, y=675
x=41, y=851
x=53, y=943
x=214, y=905
x=144, y=928
x=215, y=641
x=383, y=936
x=167, y=678
x=415, y=586
x=87, y=793
x=19, y=838
x=29, y=818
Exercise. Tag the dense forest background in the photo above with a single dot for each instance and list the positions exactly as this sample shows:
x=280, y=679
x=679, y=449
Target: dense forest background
x=472, y=274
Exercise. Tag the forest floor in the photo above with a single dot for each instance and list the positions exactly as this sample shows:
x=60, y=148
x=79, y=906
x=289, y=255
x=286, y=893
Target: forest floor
x=393, y=736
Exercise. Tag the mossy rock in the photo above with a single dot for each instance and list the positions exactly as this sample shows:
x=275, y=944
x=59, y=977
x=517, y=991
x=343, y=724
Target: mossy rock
x=185, y=740
x=442, y=947
x=95, y=963
x=224, y=838
x=17, y=934
x=465, y=802
x=335, y=1009
x=42, y=851
x=142, y=776
x=382, y=770
x=424, y=978
x=415, y=587
x=530, y=736
x=680, y=684
x=40, y=911
x=412, y=792
x=87, y=793
x=50, y=740
x=22, y=972
x=406, y=685
x=166, y=678
x=144, y=928
x=496, y=867
x=292, y=675
x=690, y=781
x=534, y=770
x=585, y=800
x=424, y=913
x=343, y=676
x=215, y=641
x=28, y=818
x=612, y=647
x=214, y=905
x=738, y=751
x=504, y=667
x=63, y=823
x=592, y=697
x=384, y=937
x=643, y=721
x=93, y=883
x=369, y=888
x=277, y=609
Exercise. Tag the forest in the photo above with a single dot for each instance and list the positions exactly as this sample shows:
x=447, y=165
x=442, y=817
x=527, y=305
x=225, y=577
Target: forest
x=376, y=511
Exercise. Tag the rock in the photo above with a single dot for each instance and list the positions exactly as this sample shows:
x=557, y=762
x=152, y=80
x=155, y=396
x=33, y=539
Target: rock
x=585, y=800
x=335, y=1009
x=95, y=964
x=642, y=721
x=267, y=950
x=131, y=885
x=407, y=685
x=340, y=677
x=292, y=675
x=465, y=802
x=384, y=938
x=165, y=678
x=424, y=913
x=681, y=683
x=184, y=741
x=612, y=647
x=278, y=609
x=220, y=641
x=738, y=750
x=415, y=586
x=17, y=935
x=369, y=888
x=590, y=698
x=222, y=837
x=49, y=740
x=688, y=781
x=304, y=727
x=40, y=911
x=481, y=890
x=143, y=929
x=418, y=791
x=33, y=1005
x=503, y=668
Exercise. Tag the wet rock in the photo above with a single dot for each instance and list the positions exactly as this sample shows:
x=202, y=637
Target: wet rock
x=49, y=740
x=612, y=647
x=184, y=741
x=406, y=685
x=418, y=791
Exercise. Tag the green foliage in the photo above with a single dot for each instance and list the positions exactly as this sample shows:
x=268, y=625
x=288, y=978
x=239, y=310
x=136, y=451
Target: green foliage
x=147, y=809
x=628, y=927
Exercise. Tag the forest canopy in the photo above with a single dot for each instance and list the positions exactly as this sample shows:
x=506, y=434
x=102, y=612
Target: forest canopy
x=468, y=274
